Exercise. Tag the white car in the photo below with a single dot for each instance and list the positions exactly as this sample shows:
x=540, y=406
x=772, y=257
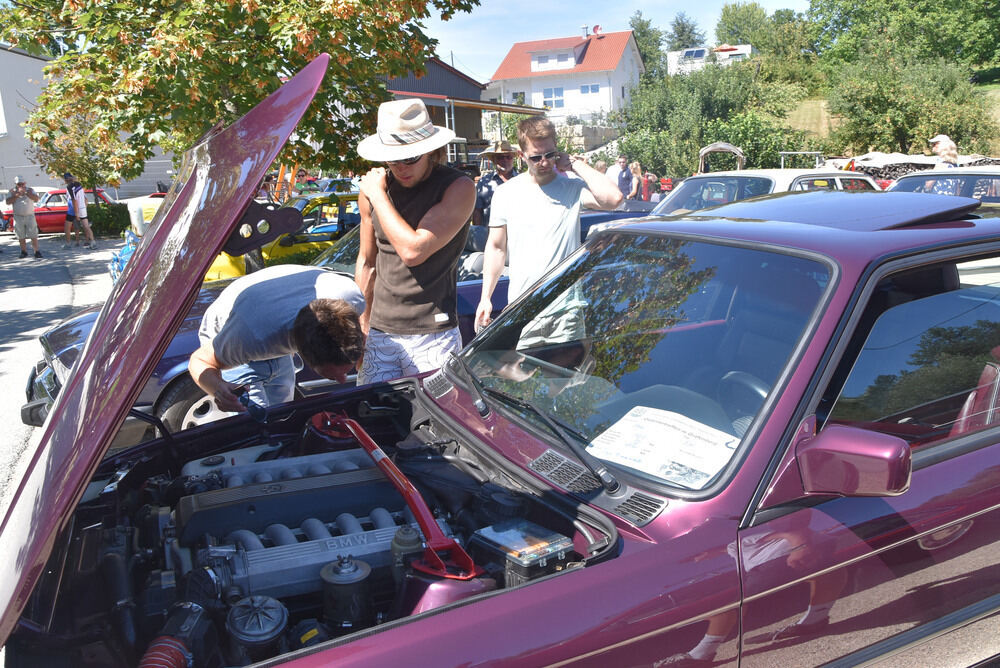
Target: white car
x=982, y=183
x=705, y=190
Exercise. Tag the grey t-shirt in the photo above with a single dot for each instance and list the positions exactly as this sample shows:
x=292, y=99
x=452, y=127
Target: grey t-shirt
x=252, y=317
x=543, y=225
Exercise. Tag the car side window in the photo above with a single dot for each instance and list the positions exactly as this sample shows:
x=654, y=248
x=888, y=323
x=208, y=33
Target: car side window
x=55, y=200
x=924, y=364
x=855, y=185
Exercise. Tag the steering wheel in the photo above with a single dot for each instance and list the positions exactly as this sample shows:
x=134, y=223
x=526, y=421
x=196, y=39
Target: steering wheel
x=741, y=393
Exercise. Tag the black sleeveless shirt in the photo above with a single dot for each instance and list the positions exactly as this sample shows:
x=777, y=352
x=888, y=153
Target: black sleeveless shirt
x=420, y=299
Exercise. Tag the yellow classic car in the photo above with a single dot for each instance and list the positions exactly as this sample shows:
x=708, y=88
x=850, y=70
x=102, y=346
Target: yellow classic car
x=325, y=217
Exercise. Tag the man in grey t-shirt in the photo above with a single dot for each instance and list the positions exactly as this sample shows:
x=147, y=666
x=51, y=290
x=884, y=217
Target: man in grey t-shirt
x=258, y=322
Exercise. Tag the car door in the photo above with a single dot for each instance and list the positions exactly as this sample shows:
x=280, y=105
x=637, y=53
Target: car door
x=911, y=579
x=51, y=213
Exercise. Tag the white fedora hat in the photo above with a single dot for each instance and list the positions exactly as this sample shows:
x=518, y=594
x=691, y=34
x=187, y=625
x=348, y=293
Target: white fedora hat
x=404, y=131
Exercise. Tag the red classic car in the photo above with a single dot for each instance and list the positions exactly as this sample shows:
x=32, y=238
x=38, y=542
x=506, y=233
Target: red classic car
x=765, y=435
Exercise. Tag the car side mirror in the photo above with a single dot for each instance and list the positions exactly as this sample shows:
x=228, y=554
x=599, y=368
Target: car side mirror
x=848, y=461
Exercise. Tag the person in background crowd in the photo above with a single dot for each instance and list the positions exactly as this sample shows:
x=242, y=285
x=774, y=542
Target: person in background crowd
x=601, y=166
x=414, y=222
x=635, y=169
x=650, y=184
x=22, y=199
x=251, y=331
x=945, y=148
x=621, y=175
x=76, y=211
x=266, y=190
x=502, y=155
x=536, y=215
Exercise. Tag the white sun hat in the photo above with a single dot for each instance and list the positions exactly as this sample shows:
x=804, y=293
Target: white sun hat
x=404, y=131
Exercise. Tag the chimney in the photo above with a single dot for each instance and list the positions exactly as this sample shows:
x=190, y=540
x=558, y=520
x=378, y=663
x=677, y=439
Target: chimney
x=586, y=31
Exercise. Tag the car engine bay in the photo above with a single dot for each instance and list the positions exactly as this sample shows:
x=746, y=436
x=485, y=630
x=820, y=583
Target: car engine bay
x=292, y=533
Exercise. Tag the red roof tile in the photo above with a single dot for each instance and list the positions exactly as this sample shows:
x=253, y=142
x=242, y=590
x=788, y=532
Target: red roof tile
x=596, y=53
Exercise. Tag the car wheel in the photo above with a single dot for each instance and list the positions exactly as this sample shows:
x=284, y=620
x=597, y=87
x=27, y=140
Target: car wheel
x=186, y=405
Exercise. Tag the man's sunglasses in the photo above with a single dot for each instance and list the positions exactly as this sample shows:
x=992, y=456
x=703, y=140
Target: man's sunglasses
x=538, y=158
x=406, y=161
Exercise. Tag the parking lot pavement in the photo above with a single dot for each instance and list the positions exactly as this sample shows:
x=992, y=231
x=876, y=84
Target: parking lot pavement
x=34, y=295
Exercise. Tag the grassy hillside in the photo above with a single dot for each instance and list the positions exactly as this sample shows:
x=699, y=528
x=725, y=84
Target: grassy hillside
x=811, y=115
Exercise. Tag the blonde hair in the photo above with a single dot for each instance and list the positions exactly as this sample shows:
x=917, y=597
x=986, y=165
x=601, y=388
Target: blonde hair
x=947, y=151
x=636, y=168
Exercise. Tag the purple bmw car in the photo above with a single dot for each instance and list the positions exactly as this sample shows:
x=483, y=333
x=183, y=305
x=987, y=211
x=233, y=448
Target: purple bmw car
x=762, y=436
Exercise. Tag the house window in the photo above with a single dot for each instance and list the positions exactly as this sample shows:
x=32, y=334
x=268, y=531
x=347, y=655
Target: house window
x=553, y=98
x=517, y=98
x=587, y=89
x=542, y=60
x=737, y=56
x=562, y=58
x=3, y=121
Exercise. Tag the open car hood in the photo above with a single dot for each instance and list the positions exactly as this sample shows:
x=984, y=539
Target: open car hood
x=215, y=187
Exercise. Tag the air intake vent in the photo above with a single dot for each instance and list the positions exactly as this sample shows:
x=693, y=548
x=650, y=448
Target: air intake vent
x=568, y=475
x=640, y=508
x=438, y=385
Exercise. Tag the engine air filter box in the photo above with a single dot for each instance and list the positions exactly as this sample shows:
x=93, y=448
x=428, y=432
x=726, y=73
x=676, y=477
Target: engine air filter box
x=526, y=550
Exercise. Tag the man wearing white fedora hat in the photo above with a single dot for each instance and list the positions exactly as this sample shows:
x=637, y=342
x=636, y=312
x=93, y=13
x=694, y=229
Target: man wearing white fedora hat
x=414, y=220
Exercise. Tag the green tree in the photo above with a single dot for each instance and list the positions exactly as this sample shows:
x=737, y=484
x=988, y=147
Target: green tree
x=684, y=33
x=163, y=73
x=649, y=39
x=887, y=103
x=956, y=30
x=761, y=137
x=75, y=150
x=742, y=23
x=666, y=123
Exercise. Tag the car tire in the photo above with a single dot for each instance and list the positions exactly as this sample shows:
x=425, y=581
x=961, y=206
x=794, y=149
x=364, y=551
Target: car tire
x=185, y=405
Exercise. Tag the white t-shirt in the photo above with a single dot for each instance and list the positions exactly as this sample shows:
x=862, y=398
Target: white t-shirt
x=543, y=225
x=252, y=317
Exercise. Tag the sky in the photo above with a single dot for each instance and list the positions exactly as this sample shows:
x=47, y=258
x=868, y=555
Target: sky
x=477, y=42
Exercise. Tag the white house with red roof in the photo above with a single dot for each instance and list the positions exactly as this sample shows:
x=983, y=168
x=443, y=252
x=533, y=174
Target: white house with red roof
x=571, y=76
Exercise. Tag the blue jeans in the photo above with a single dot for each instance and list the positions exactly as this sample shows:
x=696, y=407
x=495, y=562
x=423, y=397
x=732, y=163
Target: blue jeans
x=268, y=382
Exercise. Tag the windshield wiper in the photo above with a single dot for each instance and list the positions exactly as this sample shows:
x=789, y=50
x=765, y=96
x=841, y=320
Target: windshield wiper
x=477, y=385
x=568, y=435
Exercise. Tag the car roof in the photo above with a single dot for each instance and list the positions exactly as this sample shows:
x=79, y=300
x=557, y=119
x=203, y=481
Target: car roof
x=858, y=211
x=787, y=175
x=982, y=170
x=853, y=229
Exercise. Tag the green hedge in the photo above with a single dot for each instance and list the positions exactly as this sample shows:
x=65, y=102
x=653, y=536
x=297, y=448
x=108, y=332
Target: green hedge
x=303, y=257
x=108, y=220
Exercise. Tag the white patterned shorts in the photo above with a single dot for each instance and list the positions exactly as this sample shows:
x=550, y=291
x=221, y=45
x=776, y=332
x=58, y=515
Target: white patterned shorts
x=389, y=356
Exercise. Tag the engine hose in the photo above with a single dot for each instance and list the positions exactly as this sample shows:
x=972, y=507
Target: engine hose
x=165, y=652
x=115, y=575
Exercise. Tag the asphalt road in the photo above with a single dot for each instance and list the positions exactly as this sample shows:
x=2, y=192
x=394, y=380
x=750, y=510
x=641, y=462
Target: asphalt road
x=34, y=295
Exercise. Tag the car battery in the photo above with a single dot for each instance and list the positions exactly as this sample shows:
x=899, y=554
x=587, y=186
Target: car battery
x=526, y=550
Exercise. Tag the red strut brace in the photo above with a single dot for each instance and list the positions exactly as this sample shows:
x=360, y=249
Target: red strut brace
x=457, y=565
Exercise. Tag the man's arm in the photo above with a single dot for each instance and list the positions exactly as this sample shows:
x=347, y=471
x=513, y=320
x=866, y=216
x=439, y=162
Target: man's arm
x=364, y=269
x=601, y=192
x=494, y=259
x=206, y=371
x=32, y=195
x=438, y=226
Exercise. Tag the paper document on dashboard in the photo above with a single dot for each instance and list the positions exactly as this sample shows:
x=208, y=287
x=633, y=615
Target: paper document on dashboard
x=666, y=444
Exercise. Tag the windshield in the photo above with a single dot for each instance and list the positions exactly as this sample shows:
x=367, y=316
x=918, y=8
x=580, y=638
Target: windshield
x=659, y=351
x=699, y=192
x=984, y=187
x=343, y=254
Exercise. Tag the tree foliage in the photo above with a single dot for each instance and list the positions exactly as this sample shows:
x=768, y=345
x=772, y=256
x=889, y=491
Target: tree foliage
x=742, y=23
x=76, y=150
x=684, y=33
x=956, y=30
x=649, y=40
x=163, y=73
x=888, y=103
x=670, y=120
